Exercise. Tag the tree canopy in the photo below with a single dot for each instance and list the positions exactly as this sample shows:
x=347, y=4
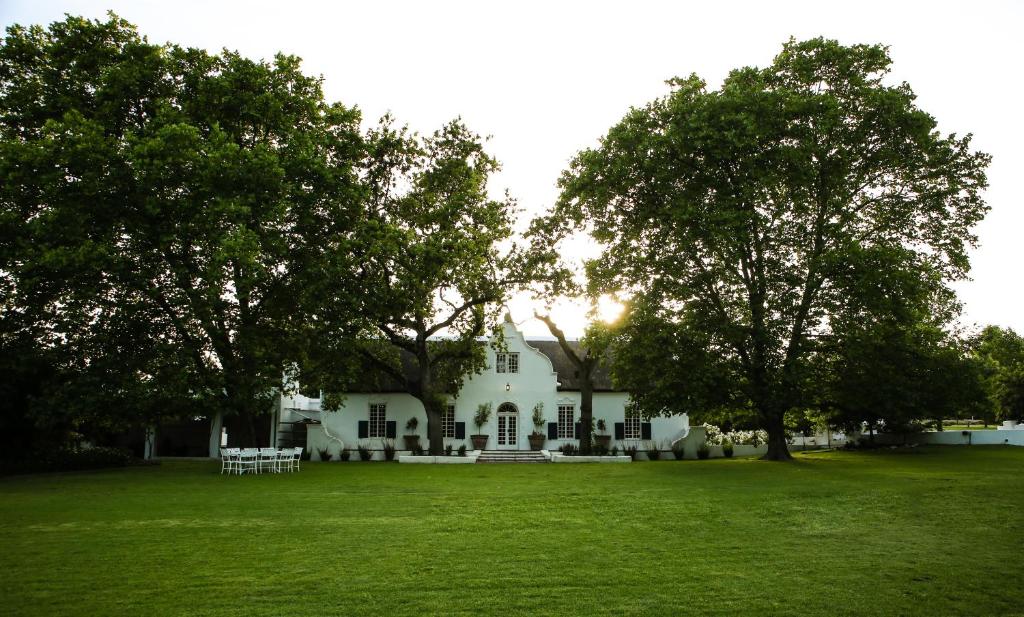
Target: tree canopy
x=167, y=207
x=751, y=223
x=436, y=259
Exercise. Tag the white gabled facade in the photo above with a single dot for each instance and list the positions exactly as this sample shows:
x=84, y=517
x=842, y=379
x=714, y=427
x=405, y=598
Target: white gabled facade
x=515, y=393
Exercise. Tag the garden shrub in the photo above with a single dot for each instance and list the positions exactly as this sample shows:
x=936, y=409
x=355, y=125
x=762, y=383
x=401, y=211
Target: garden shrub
x=364, y=452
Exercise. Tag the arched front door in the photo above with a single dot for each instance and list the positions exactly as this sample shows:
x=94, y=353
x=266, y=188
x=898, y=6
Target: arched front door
x=508, y=427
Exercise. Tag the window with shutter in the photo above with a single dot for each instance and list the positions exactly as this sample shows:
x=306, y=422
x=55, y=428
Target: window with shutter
x=632, y=428
x=566, y=415
x=378, y=420
x=448, y=421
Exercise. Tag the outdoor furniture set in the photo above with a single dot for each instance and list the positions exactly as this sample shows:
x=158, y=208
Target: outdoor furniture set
x=259, y=460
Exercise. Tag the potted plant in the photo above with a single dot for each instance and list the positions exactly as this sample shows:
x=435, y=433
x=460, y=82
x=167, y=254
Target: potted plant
x=602, y=439
x=537, y=438
x=412, y=441
x=480, y=418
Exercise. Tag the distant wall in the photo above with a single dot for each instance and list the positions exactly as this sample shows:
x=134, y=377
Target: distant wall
x=957, y=438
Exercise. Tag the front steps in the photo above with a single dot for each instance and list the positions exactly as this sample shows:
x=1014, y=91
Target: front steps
x=511, y=456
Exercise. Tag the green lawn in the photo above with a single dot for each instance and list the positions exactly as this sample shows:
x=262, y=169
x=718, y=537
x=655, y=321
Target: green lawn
x=936, y=531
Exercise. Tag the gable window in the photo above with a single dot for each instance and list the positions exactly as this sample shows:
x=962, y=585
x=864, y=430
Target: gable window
x=566, y=426
x=448, y=422
x=632, y=429
x=507, y=362
x=378, y=420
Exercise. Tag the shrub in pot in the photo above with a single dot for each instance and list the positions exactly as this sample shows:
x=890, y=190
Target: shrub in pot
x=324, y=453
x=462, y=450
x=602, y=439
x=653, y=453
x=727, y=449
x=480, y=418
x=412, y=441
x=703, y=451
x=537, y=438
x=345, y=454
x=365, y=453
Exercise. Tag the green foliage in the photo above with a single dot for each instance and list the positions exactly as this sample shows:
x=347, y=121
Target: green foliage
x=164, y=207
x=897, y=375
x=325, y=454
x=653, y=453
x=727, y=449
x=411, y=424
x=1001, y=353
x=365, y=453
x=538, y=415
x=678, y=451
x=388, y=445
x=482, y=415
x=703, y=451
x=755, y=223
x=70, y=459
x=345, y=454
x=462, y=450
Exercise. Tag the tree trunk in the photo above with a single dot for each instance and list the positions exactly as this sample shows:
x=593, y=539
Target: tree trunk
x=586, y=415
x=778, y=450
x=434, y=407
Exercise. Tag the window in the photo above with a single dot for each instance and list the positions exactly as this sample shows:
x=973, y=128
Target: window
x=632, y=428
x=378, y=420
x=507, y=362
x=448, y=421
x=566, y=426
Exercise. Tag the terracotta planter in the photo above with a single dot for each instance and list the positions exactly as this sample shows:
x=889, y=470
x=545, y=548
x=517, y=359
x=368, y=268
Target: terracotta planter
x=536, y=441
x=479, y=441
x=411, y=441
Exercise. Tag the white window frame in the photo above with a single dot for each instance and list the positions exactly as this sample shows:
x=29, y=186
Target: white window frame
x=499, y=362
x=378, y=425
x=567, y=421
x=513, y=362
x=632, y=428
x=448, y=421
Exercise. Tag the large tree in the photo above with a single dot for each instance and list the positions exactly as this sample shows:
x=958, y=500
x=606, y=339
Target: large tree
x=1001, y=352
x=586, y=357
x=750, y=217
x=436, y=261
x=182, y=196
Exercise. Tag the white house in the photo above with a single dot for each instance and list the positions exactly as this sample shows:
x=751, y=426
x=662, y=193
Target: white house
x=516, y=379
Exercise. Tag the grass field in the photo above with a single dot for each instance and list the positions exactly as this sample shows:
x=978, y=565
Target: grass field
x=930, y=531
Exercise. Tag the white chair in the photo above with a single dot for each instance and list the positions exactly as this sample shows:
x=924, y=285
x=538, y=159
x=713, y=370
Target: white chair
x=284, y=460
x=228, y=460
x=297, y=459
x=267, y=459
x=248, y=460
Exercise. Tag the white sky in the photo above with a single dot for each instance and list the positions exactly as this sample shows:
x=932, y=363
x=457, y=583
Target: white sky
x=546, y=79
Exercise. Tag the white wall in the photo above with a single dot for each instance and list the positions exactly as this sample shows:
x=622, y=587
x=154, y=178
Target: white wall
x=956, y=438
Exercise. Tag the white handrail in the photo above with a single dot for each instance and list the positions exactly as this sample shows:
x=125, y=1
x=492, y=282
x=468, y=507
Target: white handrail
x=322, y=425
